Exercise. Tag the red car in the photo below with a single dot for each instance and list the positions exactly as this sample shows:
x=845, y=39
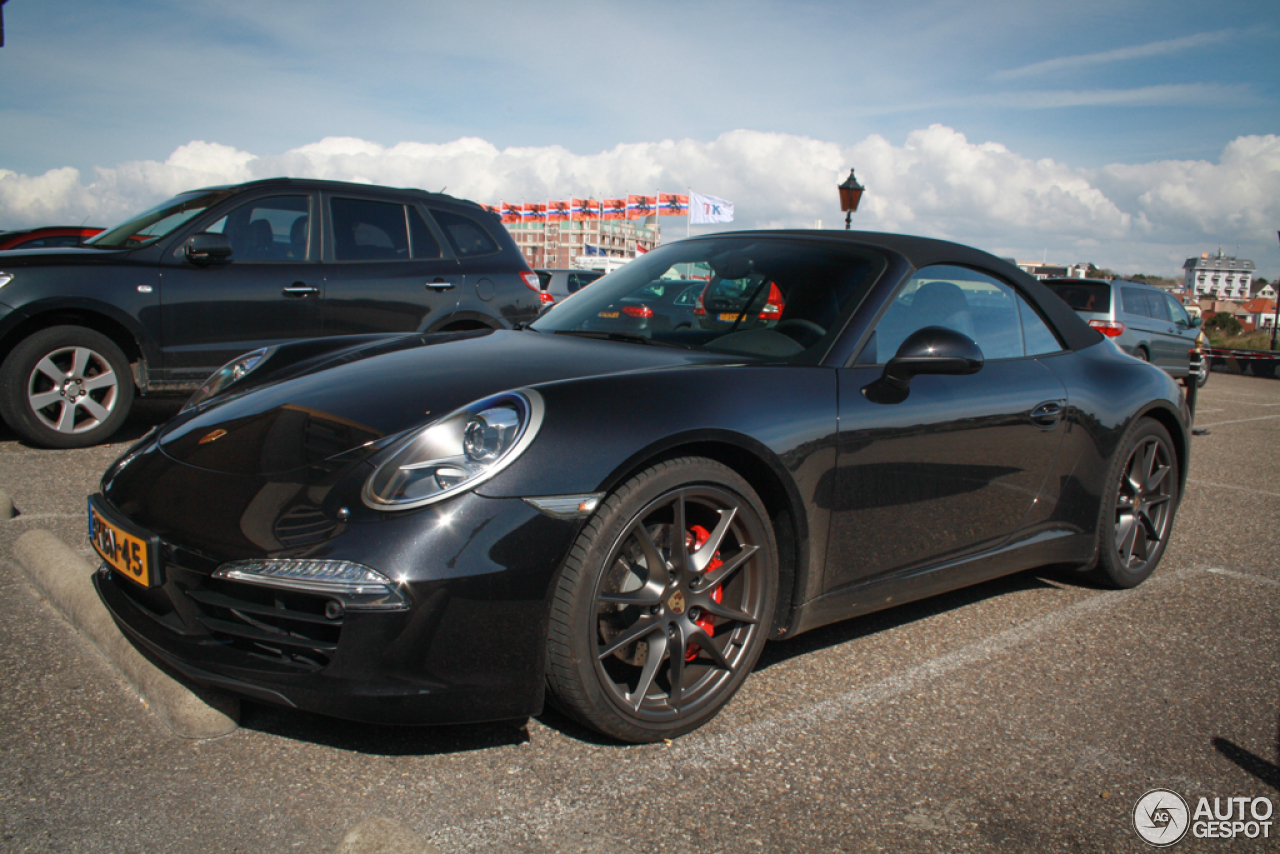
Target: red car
x=44, y=238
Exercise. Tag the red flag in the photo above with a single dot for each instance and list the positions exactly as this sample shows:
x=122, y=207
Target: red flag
x=639, y=207
x=509, y=212
x=640, y=250
x=614, y=209
x=584, y=209
x=672, y=204
x=558, y=211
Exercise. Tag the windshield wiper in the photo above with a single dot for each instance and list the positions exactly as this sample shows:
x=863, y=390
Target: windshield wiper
x=629, y=337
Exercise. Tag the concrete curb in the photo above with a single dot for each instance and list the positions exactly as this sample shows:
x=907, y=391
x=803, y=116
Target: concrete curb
x=65, y=579
x=383, y=836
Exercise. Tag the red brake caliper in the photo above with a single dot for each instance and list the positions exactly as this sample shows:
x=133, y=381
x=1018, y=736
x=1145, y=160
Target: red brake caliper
x=695, y=539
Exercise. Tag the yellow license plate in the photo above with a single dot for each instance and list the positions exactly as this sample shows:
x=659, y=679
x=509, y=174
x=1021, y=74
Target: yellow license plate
x=609, y=314
x=129, y=555
x=729, y=318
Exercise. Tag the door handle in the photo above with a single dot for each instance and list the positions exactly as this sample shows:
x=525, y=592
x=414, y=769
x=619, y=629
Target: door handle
x=441, y=285
x=300, y=289
x=1049, y=413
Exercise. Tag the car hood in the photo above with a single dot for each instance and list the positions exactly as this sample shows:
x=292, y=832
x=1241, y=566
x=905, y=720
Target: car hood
x=352, y=403
x=57, y=256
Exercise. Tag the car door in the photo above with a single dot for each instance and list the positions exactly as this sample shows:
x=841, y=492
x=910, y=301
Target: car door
x=1182, y=335
x=956, y=466
x=385, y=268
x=267, y=293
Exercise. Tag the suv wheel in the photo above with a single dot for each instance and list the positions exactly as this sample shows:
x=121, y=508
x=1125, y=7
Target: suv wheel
x=65, y=387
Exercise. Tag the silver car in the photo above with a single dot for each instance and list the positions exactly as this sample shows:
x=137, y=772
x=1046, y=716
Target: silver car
x=1145, y=321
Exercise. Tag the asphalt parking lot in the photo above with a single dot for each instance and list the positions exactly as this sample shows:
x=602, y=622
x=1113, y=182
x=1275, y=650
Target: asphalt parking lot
x=1029, y=713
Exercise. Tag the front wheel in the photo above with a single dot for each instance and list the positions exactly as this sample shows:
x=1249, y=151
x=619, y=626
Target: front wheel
x=1138, y=506
x=664, y=603
x=65, y=387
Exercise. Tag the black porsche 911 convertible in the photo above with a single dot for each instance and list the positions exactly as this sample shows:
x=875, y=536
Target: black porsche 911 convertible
x=459, y=527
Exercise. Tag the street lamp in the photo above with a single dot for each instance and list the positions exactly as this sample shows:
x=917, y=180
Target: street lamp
x=850, y=195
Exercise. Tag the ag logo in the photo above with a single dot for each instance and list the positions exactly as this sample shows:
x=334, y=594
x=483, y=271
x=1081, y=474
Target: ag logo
x=1161, y=817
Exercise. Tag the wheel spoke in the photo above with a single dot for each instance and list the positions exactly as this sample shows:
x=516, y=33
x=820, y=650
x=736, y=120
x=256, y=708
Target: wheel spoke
x=50, y=370
x=717, y=609
x=97, y=410
x=657, y=652
x=1126, y=536
x=43, y=399
x=721, y=574
x=67, y=420
x=79, y=361
x=649, y=594
x=675, y=672
x=707, y=552
x=679, y=551
x=103, y=380
x=643, y=626
x=653, y=559
x=705, y=646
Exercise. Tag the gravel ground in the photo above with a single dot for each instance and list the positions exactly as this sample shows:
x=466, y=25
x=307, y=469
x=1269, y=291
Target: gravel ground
x=1029, y=713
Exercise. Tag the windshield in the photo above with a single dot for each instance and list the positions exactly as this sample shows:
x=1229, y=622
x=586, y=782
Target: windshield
x=158, y=222
x=764, y=296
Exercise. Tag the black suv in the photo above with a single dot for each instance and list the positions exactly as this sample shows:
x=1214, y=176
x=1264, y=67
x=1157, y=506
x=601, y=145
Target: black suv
x=157, y=304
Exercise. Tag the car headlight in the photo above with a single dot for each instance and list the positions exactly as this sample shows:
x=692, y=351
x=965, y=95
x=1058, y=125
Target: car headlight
x=456, y=453
x=226, y=376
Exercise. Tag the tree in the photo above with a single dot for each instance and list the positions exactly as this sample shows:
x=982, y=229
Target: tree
x=1224, y=323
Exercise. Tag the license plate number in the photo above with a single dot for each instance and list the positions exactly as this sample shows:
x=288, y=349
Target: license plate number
x=127, y=554
x=609, y=314
x=729, y=318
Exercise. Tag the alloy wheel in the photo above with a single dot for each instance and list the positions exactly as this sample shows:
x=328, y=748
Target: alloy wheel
x=1144, y=504
x=72, y=390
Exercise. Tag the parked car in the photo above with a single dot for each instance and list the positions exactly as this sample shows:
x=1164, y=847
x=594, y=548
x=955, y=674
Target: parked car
x=432, y=529
x=664, y=304
x=559, y=284
x=748, y=302
x=157, y=303
x=47, y=237
x=1143, y=320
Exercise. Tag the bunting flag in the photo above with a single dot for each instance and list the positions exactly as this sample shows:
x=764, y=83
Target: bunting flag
x=584, y=209
x=639, y=207
x=558, y=211
x=672, y=204
x=614, y=209
x=708, y=209
x=510, y=212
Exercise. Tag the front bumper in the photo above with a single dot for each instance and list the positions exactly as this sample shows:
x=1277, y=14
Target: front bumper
x=476, y=572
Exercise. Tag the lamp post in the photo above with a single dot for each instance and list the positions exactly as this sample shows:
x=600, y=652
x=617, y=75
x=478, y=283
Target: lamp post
x=850, y=195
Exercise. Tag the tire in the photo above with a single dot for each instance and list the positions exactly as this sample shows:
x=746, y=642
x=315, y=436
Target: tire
x=65, y=387
x=1141, y=355
x=642, y=656
x=1138, y=507
x=1202, y=378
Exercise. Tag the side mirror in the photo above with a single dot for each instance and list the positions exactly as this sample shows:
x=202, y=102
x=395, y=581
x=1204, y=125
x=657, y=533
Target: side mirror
x=932, y=350
x=207, y=248
x=1196, y=321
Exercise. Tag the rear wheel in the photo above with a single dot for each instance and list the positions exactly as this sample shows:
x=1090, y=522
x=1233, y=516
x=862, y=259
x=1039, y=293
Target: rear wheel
x=65, y=387
x=664, y=603
x=1138, y=507
x=1141, y=354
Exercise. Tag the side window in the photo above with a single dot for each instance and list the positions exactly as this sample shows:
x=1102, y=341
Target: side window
x=1177, y=313
x=1159, y=307
x=467, y=237
x=958, y=298
x=578, y=280
x=368, y=231
x=425, y=244
x=1134, y=301
x=1037, y=337
x=271, y=229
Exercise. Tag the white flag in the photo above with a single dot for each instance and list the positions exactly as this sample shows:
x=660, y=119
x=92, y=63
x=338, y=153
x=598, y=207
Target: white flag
x=704, y=209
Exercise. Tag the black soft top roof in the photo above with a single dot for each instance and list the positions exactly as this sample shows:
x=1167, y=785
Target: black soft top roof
x=925, y=251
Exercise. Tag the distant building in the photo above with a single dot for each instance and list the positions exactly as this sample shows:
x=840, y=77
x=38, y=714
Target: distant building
x=583, y=244
x=1219, y=276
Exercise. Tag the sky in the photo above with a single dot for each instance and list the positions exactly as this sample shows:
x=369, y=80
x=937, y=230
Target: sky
x=1130, y=134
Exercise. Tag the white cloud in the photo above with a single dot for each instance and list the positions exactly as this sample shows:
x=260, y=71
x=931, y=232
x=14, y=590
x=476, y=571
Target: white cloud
x=1129, y=217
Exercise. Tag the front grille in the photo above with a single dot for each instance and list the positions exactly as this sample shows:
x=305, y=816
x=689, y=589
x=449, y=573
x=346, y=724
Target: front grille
x=283, y=627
